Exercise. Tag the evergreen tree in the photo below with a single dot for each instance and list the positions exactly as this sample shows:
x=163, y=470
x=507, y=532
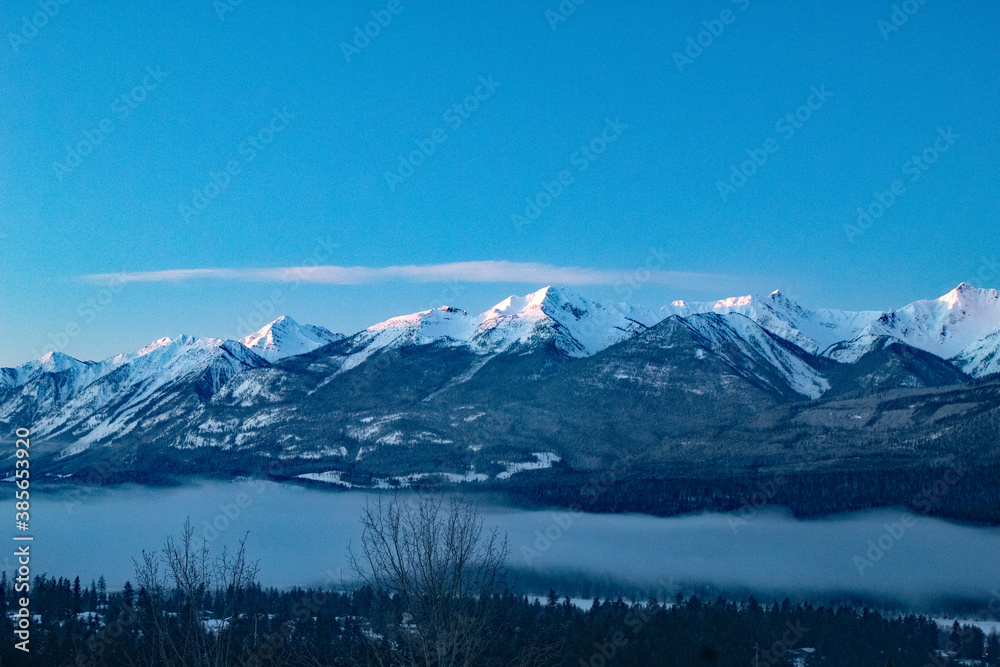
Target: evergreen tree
x=128, y=595
x=553, y=599
x=77, y=598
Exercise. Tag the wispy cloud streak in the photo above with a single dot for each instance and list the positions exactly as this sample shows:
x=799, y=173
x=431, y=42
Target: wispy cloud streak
x=471, y=272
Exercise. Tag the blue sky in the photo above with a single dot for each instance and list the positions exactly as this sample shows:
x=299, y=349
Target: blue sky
x=308, y=135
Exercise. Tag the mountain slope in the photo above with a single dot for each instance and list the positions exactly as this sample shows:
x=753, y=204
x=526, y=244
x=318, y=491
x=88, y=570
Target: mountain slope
x=946, y=326
x=162, y=380
x=891, y=364
x=982, y=357
x=748, y=346
x=812, y=330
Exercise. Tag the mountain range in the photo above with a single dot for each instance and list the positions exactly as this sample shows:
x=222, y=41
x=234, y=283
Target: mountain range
x=750, y=383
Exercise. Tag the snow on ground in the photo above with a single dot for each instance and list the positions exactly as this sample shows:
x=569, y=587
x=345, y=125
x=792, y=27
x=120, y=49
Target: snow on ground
x=404, y=481
x=543, y=460
x=987, y=627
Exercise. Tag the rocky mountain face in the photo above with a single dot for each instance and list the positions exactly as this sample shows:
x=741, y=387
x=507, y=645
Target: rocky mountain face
x=548, y=379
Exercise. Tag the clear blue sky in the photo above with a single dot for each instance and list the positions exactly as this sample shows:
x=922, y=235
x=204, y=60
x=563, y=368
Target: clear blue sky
x=322, y=176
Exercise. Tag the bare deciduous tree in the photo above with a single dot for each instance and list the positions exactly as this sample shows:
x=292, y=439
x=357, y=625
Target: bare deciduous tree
x=175, y=629
x=444, y=575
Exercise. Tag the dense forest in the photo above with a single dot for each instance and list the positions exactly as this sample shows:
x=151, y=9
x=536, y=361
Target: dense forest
x=433, y=588
x=958, y=492
x=86, y=625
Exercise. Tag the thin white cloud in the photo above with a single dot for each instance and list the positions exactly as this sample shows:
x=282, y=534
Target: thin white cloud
x=472, y=272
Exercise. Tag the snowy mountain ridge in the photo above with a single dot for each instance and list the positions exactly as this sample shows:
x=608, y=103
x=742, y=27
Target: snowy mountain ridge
x=962, y=326
x=62, y=394
x=444, y=379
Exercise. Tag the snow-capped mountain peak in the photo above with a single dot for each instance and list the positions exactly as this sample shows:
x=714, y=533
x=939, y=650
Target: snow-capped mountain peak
x=446, y=325
x=576, y=325
x=51, y=362
x=284, y=337
x=54, y=362
x=108, y=398
x=946, y=326
x=812, y=330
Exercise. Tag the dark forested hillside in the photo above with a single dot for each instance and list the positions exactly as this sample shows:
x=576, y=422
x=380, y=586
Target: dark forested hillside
x=85, y=625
